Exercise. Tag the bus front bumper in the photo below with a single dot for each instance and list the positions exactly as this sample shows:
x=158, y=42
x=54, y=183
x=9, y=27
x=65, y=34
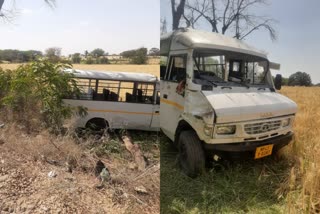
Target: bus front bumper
x=246, y=150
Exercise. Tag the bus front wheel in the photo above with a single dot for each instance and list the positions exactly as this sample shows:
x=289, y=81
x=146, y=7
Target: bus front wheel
x=191, y=155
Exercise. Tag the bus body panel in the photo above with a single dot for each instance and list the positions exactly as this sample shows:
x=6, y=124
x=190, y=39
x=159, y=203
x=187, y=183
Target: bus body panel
x=118, y=115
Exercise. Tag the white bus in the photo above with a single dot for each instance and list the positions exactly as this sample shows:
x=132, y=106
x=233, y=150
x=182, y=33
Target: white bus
x=218, y=99
x=117, y=100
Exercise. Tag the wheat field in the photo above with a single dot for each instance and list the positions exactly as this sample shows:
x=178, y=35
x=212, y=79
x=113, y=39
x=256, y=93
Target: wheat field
x=303, y=183
x=150, y=68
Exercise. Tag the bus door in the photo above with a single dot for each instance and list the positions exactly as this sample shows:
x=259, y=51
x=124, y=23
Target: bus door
x=172, y=94
x=155, y=123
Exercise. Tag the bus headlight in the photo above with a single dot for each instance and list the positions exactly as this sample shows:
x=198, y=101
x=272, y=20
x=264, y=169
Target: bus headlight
x=208, y=130
x=231, y=129
x=286, y=122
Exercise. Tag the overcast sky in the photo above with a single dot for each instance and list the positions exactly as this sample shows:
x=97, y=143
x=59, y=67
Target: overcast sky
x=80, y=25
x=298, y=44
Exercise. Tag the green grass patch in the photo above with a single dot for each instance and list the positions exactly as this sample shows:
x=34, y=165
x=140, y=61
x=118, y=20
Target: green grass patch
x=231, y=187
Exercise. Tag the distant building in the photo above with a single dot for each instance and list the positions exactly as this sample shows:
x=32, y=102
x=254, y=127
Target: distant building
x=113, y=57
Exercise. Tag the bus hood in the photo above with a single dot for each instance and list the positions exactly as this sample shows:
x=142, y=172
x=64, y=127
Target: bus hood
x=236, y=107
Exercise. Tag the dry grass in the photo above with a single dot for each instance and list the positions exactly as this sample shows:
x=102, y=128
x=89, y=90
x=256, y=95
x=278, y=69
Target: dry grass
x=34, y=155
x=304, y=180
x=151, y=68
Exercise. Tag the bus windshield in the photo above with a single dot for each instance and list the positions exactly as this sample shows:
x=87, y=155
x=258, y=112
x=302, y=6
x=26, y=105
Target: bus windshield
x=229, y=69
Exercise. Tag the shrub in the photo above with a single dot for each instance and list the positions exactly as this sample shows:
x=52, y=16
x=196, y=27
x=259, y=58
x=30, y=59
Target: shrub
x=36, y=91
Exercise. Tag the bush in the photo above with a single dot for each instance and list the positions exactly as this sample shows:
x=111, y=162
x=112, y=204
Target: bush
x=89, y=60
x=138, y=56
x=103, y=60
x=5, y=77
x=35, y=91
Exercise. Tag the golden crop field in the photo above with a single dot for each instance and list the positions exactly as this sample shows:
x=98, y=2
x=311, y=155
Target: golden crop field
x=304, y=180
x=150, y=68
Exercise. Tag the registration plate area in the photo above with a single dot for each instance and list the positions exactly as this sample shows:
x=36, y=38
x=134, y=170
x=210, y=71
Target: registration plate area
x=263, y=151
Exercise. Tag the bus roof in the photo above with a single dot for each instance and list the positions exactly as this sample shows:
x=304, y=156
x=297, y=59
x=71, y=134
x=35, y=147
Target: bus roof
x=197, y=39
x=113, y=75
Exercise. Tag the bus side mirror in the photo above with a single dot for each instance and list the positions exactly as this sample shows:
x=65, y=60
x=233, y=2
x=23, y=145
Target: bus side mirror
x=278, y=81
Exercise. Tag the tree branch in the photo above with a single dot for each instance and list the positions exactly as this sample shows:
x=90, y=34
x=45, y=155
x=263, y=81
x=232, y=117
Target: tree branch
x=267, y=25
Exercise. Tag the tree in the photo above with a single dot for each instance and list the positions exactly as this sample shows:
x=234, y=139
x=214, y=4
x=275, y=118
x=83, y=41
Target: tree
x=86, y=53
x=97, y=52
x=300, y=79
x=8, y=14
x=53, y=54
x=232, y=16
x=137, y=56
x=19, y=56
x=154, y=52
x=177, y=13
x=76, y=58
x=103, y=60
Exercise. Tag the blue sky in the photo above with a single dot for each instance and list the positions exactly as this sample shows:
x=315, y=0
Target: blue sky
x=298, y=26
x=80, y=25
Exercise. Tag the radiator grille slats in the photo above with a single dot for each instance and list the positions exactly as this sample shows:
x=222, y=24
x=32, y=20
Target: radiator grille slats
x=262, y=127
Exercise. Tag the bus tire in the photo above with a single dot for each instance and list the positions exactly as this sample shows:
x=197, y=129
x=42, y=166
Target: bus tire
x=191, y=155
x=97, y=124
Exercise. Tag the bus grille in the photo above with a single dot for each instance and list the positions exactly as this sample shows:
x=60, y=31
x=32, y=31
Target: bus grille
x=262, y=127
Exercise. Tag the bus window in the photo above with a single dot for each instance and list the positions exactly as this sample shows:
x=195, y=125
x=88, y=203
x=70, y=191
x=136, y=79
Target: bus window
x=126, y=92
x=117, y=91
x=108, y=90
x=87, y=88
x=144, y=93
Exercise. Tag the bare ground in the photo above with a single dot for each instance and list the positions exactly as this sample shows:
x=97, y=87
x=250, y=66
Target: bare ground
x=25, y=186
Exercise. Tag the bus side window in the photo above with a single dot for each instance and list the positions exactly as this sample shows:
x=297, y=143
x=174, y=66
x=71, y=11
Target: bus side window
x=126, y=92
x=177, y=68
x=144, y=93
x=163, y=66
x=108, y=90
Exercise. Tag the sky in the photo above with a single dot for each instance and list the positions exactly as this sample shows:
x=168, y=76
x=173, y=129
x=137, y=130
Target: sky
x=298, y=25
x=79, y=25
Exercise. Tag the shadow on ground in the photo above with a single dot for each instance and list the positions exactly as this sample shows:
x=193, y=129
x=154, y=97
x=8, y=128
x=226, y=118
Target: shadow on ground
x=241, y=187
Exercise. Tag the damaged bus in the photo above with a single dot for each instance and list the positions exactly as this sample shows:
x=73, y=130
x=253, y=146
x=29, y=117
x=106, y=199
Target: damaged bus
x=218, y=99
x=117, y=100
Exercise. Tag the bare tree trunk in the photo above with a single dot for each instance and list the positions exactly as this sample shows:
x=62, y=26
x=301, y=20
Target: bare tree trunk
x=1, y=3
x=177, y=13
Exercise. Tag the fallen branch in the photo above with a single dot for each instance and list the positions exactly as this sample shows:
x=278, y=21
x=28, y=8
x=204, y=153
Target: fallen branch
x=135, y=151
x=155, y=166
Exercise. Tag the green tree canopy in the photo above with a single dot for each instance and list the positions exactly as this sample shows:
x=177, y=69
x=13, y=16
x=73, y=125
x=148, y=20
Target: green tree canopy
x=300, y=79
x=97, y=52
x=76, y=58
x=53, y=54
x=137, y=56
